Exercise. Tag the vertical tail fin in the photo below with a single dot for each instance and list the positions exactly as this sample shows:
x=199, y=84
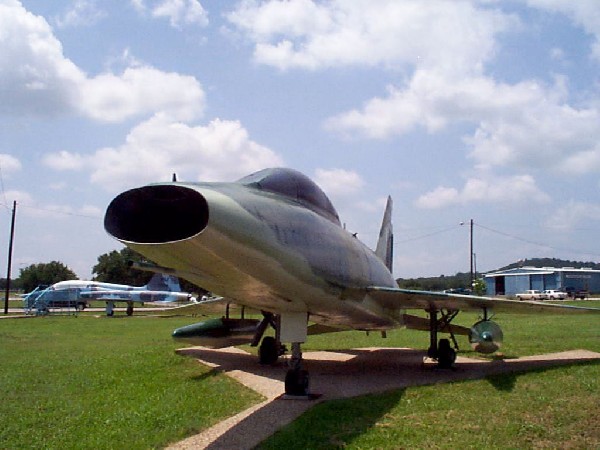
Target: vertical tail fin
x=385, y=244
x=163, y=282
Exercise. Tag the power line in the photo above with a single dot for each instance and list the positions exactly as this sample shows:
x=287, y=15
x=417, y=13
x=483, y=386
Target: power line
x=55, y=211
x=538, y=244
x=423, y=236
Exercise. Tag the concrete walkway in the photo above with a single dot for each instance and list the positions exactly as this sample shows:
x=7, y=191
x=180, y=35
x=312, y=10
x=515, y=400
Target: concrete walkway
x=339, y=374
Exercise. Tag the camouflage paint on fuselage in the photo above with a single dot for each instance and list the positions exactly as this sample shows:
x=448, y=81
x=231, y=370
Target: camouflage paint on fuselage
x=276, y=246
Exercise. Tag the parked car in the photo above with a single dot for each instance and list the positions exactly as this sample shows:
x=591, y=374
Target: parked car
x=532, y=294
x=553, y=294
x=463, y=291
x=572, y=293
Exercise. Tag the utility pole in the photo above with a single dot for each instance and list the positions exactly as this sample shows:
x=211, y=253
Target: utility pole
x=471, y=253
x=10, y=249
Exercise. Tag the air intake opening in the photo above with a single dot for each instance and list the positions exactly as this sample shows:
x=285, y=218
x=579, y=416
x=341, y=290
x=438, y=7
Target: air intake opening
x=156, y=214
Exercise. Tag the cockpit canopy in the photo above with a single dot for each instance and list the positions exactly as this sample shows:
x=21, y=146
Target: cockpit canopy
x=295, y=185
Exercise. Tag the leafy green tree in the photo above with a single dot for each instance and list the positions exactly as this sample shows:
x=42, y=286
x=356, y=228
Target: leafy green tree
x=44, y=273
x=114, y=267
x=479, y=286
x=460, y=280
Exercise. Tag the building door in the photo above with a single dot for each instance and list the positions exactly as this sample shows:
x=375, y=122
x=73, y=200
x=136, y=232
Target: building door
x=500, y=288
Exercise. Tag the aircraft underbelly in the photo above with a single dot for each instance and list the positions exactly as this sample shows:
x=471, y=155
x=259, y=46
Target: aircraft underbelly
x=251, y=278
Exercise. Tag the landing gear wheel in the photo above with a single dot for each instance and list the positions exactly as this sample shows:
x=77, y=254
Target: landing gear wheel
x=446, y=355
x=129, y=310
x=297, y=382
x=268, y=353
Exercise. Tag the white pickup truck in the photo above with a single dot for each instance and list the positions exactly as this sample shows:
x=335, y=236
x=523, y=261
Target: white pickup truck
x=532, y=294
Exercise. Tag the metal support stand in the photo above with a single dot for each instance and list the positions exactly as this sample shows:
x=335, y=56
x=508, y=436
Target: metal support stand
x=296, y=359
x=444, y=322
x=432, y=352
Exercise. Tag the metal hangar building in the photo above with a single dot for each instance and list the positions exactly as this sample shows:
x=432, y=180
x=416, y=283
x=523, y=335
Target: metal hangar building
x=512, y=281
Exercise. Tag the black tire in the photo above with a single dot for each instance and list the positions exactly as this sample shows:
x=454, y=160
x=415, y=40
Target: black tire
x=446, y=354
x=297, y=382
x=129, y=310
x=80, y=306
x=268, y=353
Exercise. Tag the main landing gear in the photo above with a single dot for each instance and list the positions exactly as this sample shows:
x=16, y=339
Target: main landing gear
x=270, y=348
x=268, y=352
x=442, y=352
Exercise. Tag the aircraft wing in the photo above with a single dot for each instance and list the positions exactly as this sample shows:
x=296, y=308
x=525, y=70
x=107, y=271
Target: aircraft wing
x=205, y=307
x=141, y=296
x=396, y=298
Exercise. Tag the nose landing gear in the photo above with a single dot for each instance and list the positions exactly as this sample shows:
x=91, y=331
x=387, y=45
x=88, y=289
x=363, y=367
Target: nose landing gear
x=297, y=379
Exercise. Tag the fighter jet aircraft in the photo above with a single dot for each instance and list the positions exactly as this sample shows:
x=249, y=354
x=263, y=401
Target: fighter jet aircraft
x=273, y=241
x=76, y=293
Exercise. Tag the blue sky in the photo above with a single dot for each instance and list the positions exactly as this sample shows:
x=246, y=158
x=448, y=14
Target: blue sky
x=459, y=110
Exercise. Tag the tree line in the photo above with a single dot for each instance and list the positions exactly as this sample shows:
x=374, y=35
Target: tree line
x=462, y=279
x=112, y=267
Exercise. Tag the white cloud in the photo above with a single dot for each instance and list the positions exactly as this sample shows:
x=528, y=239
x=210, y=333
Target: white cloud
x=140, y=90
x=156, y=148
x=523, y=125
x=34, y=75
x=80, y=13
x=312, y=35
x=37, y=79
x=21, y=197
x=181, y=12
x=339, y=182
x=138, y=5
x=446, y=45
x=570, y=215
x=57, y=211
x=30, y=207
x=515, y=189
x=9, y=163
x=64, y=160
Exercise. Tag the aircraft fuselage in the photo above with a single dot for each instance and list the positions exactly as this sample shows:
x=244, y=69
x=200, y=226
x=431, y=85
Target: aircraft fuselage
x=256, y=247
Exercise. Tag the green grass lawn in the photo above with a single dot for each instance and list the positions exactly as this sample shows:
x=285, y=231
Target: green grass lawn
x=85, y=382
x=97, y=382
x=555, y=408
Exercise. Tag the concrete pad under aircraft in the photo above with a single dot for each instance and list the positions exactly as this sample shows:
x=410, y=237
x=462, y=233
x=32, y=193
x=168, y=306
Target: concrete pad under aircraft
x=342, y=374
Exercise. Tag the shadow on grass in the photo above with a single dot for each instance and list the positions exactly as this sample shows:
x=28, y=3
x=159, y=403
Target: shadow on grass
x=339, y=423
x=506, y=382
x=211, y=373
